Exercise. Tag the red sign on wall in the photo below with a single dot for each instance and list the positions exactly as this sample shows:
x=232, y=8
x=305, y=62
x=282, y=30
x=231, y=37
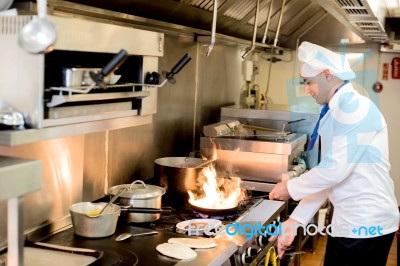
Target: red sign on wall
x=385, y=71
x=396, y=68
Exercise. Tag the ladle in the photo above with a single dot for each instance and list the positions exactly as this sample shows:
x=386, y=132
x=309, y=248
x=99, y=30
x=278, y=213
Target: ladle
x=39, y=35
x=94, y=215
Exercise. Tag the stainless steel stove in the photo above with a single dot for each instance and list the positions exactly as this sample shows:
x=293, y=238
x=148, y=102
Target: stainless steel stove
x=253, y=212
x=253, y=243
x=237, y=249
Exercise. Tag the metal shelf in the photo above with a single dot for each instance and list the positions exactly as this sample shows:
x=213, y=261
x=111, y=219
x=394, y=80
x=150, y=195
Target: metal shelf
x=86, y=89
x=57, y=100
x=27, y=136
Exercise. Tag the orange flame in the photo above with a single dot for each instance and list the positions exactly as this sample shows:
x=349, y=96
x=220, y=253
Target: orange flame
x=218, y=192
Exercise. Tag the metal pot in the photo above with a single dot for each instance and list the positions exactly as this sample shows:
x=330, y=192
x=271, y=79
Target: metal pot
x=177, y=175
x=140, y=195
x=101, y=226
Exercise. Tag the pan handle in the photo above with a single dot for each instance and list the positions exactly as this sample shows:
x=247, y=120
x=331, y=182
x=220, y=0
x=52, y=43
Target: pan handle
x=115, y=62
x=145, y=210
x=184, y=60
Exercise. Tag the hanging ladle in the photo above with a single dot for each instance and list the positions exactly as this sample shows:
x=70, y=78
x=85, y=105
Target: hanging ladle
x=39, y=35
x=95, y=214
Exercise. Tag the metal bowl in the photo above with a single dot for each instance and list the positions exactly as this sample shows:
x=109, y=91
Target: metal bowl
x=95, y=227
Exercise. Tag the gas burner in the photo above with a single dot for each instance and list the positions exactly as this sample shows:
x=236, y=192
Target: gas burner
x=113, y=254
x=116, y=256
x=168, y=227
x=230, y=217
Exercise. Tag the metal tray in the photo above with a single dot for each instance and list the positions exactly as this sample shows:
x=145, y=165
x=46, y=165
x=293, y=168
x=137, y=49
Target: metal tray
x=39, y=254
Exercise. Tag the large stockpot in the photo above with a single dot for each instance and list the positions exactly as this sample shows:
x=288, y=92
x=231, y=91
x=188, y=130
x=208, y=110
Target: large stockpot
x=139, y=195
x=177, y=175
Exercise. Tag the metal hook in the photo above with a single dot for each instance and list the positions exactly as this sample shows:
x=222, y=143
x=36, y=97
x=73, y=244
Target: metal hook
x=213, y=28
x=253, y=43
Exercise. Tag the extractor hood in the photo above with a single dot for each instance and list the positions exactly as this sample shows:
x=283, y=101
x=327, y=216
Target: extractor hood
x=364, y=17
x=318, y=21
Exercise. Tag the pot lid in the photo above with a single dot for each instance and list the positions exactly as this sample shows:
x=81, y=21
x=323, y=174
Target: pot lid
x=138, y=190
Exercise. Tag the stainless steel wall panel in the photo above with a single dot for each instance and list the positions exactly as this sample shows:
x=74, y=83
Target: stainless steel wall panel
x=219, y=85
x=94, y=167
x=173, y=123
x=130, y=154
x=62, y=162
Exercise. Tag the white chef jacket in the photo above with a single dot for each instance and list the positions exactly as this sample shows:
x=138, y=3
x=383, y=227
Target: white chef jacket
x=353, y=173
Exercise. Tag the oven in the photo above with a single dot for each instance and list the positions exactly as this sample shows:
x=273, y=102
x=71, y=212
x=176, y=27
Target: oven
x=54, y=89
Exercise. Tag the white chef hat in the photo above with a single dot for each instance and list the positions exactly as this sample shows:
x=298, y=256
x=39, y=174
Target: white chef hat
x=316, y=59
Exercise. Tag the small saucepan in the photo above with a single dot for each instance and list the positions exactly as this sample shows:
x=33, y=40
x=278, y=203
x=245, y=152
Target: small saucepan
x=101, y=226
x=140, y=195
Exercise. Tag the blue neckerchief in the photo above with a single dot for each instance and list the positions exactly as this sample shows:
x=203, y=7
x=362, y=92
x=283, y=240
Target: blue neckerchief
x=324, y=110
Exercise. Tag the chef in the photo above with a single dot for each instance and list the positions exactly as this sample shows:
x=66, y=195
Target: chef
x=353, y=172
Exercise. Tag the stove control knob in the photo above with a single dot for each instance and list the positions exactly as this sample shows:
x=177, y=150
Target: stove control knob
x=246, y=260
x=251, y=251
x=262, y=240
x=272, y=228
x=249, y=255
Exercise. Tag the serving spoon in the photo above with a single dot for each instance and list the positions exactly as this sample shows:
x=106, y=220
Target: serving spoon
x=124, y=236
x=94, y=215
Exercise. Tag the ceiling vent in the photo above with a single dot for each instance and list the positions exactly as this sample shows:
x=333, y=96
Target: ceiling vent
x=366, y=17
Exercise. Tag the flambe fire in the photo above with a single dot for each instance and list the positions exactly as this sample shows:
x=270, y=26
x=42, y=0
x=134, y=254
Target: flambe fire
x=217, y=192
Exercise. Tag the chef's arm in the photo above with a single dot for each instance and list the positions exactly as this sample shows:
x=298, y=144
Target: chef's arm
x=300, y=216
x=308, y=207
x=339, y=159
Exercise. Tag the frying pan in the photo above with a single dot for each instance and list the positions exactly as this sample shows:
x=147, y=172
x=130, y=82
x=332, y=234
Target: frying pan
x=221, y=211
x=213, y=211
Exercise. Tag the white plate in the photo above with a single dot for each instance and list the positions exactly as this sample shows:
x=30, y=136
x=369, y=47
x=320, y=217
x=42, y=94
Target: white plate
x=197, y=226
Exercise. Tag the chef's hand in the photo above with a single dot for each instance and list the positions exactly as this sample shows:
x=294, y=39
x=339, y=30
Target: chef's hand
x=280, y=192
x=285, y=238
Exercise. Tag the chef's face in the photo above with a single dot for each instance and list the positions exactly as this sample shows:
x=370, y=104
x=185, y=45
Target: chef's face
x=317, y=88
